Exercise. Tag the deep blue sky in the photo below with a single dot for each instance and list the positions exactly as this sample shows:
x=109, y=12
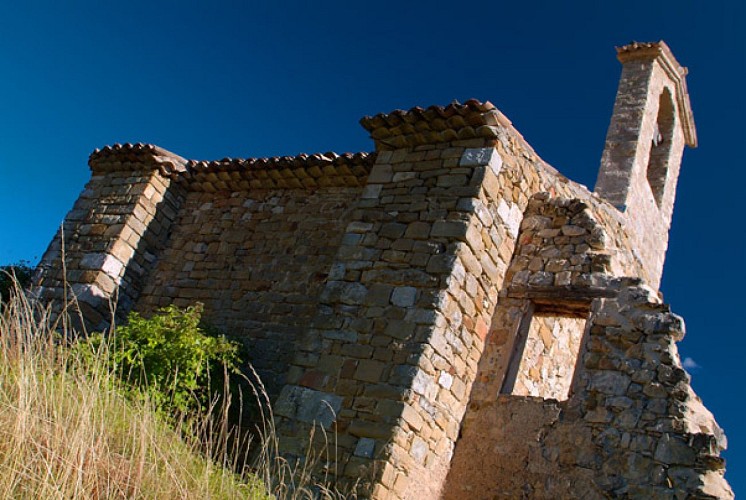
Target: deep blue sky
x=241, y=79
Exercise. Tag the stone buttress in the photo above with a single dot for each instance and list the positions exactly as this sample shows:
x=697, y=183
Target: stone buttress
x=108, y=242
x=446, y=317
x=388, y=362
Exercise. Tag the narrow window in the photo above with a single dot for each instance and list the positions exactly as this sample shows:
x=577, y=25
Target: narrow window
x=546, y=354
x=660, y=148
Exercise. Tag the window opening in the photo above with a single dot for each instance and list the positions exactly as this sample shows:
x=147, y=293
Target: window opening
x=546, y=355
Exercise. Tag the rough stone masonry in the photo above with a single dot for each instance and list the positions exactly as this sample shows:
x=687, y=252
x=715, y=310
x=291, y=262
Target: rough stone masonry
x=461, y=319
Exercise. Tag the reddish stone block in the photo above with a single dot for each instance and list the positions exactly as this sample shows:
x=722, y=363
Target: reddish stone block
x=313, y=379
x=481, y=329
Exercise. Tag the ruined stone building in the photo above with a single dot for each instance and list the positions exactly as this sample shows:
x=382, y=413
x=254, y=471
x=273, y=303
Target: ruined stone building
x=461, y=319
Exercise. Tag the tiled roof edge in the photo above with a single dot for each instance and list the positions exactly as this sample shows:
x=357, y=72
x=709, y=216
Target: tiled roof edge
x=302, y=160
x=435, y=124
x=300, y=171
x=120, y=157
x=303, y=170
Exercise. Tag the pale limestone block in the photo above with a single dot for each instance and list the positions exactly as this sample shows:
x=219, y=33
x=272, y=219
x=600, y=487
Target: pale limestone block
x=503, y=211
x=419, y=450
x=308, y=405
x=371, y=191
x=380, y=174
x=93, y=261
x=365, y=447
x=513, y=220
x=112, y=267
x=90, y=294
x=445, y=380
x=412, y=417
x=359, y=227
x=403, y=176
x=482, y=156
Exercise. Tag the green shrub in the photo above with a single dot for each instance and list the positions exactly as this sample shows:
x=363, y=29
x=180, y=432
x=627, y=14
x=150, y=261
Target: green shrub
x=170, y=358
x=20, y=271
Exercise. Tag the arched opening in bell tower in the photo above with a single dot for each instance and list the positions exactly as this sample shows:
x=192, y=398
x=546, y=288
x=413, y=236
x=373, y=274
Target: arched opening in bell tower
x=660, y=147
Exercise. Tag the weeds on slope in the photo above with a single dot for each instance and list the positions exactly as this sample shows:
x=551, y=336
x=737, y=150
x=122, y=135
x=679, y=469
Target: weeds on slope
x=67, y=430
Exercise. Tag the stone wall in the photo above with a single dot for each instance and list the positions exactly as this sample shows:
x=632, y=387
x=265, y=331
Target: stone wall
x=632, y=427
x=384, y=352
x=627, y=383
x=405, y=314
x=254, y=242
x=549, y=355
x=257, y=260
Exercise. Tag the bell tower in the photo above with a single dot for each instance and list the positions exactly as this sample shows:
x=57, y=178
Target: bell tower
x=651, y=124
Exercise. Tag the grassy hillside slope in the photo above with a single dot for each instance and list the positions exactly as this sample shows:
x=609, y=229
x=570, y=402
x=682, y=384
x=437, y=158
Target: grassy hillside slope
x=67, y=432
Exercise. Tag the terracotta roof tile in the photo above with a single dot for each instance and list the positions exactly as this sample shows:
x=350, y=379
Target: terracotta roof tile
x=417, y=126
x=135, y=156
x=303, y=170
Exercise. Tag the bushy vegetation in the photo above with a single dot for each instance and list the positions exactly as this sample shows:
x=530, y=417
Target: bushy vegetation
x=169, y=358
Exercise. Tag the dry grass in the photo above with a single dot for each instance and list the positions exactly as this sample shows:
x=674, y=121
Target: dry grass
x=67, y=432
